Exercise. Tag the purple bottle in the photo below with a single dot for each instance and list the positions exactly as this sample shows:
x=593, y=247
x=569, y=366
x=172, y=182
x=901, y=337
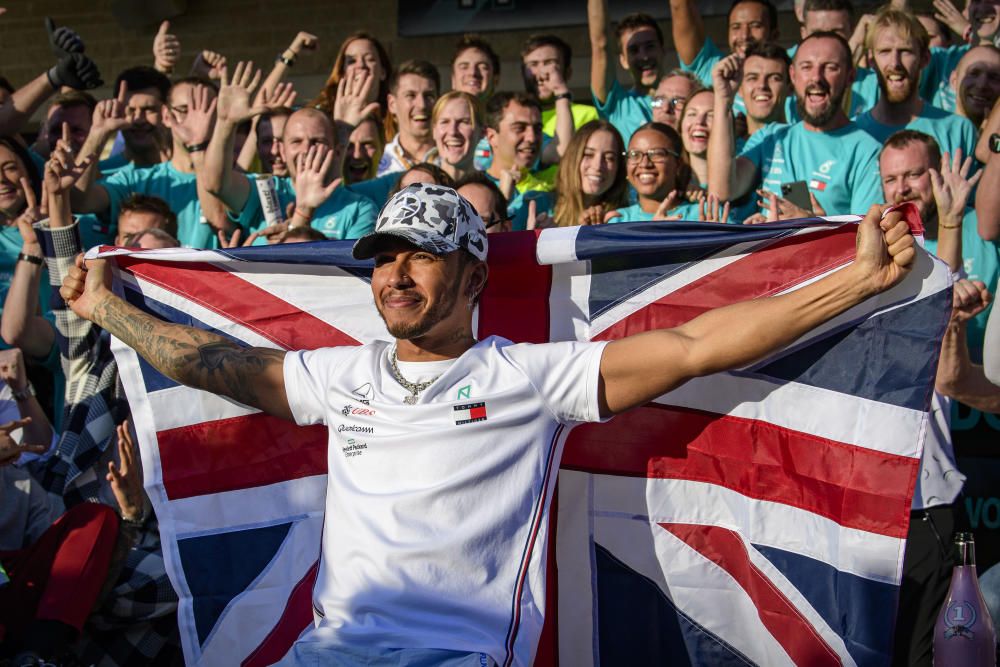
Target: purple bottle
x=964, y=634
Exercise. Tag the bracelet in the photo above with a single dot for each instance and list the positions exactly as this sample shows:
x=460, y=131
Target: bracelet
x=196, y=148
x=944, y=226
x=24, y=393
x=30, y=259
x=563, y=96
x=282, y=58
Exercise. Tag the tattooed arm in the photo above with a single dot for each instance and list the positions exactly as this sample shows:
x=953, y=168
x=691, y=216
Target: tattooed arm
x=253, y=376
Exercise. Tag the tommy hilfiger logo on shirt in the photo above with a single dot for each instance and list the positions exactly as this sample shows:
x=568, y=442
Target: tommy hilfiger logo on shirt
x=466, y=413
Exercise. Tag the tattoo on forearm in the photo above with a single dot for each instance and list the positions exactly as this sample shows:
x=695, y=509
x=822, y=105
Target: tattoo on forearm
x=191, y=356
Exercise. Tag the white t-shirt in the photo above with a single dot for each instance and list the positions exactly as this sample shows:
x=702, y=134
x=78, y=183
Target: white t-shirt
x=437, y=513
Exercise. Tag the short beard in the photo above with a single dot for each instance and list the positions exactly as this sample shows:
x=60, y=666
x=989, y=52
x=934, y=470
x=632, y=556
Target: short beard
x=439, y=311
x=894, y=99
x=821, y=119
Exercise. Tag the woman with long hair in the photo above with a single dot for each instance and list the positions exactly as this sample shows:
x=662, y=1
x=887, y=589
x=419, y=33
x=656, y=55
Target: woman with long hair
x=695, y=128
x=457, y=125
x=591, y=181
x=360, y=53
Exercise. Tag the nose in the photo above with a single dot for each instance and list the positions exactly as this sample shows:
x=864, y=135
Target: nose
x=356, y=151
x=398, y=277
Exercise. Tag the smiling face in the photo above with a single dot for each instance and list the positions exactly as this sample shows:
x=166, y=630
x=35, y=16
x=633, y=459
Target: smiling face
x=985, y=17
x=764, y=87
x=362, y=56
x=899, y=59
x=455, y=132
x=906, y=177
x=305, y=128
x=653, y=178
x=270, y=130
x=599, y=163
x=418, y=293
x=364, y=147
x=748, y=23
x=518, y=140
x=411, y=104
x=696, y=124
x=472, y=72
x=669, y=99
x=145, y=108
x=12, y=170
x=820, y=75
x=642, y=56
x=977, y=83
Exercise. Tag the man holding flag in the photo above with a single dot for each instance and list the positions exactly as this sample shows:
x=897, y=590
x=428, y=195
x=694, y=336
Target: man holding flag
x=443, y=449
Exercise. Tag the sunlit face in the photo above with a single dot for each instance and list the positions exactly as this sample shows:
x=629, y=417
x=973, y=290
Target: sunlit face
x=655, y=177
x=411, y=104
x=822, y=20
x=599, y=163
x=764, y=87
x=518, y=141
x=696, y=124
x=362, y=56
x=305, y=128
x=898, y=63
x=472, y=72
x=418, y=293
x=977, y=83
x=364, y=148
x=131, y=223
x=145, y=108
x=669, y=99
x=820, y=75
x=485, y=202
x=270, y=130
x=455, y=132
x=12, y=170
x=642, y=56
x=536, y=64
x=748, y=23
x=906, y=177
x=78, y=117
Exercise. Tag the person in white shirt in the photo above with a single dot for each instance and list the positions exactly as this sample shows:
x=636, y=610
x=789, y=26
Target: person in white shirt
x=443, y=450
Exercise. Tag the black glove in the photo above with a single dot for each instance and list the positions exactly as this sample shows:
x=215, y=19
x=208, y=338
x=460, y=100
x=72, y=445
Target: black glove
x=63, y=40
x=76, y=71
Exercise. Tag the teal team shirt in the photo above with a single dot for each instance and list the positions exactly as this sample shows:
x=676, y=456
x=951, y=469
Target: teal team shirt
x=950, y=131
x=179, y=189
x=981, y=261
x=634, y=213
x=344, y=215
x=627, y=110
x=840, y=167
x=935, y=80
x=517, y=206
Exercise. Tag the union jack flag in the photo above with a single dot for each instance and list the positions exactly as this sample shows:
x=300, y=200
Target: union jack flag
x=752, y=517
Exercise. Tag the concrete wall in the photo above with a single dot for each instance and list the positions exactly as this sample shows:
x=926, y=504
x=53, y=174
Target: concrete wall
x=257, y=30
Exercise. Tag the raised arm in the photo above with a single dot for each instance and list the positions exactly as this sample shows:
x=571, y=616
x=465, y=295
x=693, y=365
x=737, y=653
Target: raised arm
x=688, y=29
x=602, y=64
x=951, y=188
x=565, y=129
x=637, y=369
x=196, y=358
x=957, y=376
x=729, y=176
x=233, y=108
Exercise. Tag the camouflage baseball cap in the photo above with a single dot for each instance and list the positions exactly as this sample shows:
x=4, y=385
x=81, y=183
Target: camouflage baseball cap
x=432, y=217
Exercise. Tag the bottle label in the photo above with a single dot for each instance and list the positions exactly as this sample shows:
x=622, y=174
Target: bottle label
x=959, y=619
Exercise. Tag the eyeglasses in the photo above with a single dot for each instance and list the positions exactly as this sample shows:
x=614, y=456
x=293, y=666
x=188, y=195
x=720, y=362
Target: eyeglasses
x=655, y=155
x=672, y=103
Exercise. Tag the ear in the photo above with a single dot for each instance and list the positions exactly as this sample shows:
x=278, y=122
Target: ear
x=391, y=103
x=166, y=116
x=623, y=61
x=477, y=280
x=491, y=137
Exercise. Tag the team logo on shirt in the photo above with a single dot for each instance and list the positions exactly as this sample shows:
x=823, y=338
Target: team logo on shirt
x=466, y=413
x=365, y=393
x=464, y=392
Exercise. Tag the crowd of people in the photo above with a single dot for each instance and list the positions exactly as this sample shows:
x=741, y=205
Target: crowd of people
x=889, y=106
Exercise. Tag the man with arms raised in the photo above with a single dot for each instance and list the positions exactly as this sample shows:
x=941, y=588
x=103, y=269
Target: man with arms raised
x=899, y=49
x=835, y=158
x=639, y=42
x=432, y=549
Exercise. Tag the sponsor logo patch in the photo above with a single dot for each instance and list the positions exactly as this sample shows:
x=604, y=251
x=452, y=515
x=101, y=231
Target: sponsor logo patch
x=466, y=413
